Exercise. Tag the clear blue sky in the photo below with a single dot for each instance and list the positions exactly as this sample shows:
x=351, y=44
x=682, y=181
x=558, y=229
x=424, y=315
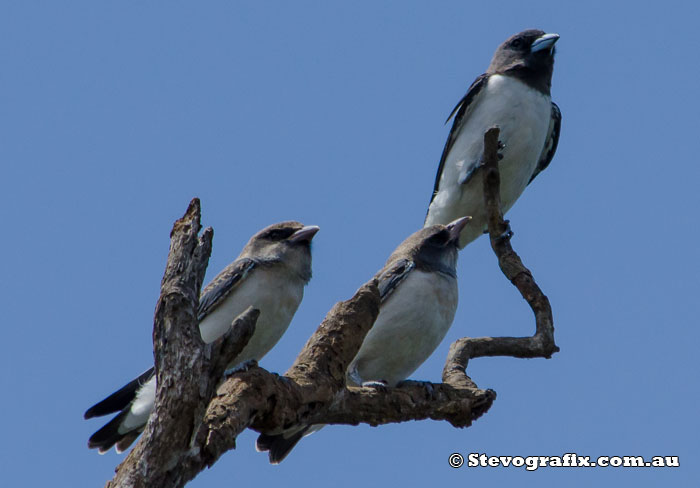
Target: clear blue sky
x=114, y=115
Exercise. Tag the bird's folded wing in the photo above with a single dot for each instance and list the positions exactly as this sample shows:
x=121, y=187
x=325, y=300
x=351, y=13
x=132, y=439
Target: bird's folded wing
x=460, y=113
x=390, y=277
x=550, y=143
x=220, y=287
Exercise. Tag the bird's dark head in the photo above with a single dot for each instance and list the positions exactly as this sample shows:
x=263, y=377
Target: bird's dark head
x=433, y=248
x=286, y=242
x=528, y=55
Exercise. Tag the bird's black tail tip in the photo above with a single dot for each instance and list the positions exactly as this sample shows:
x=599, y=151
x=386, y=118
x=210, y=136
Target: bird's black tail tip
x=109, y=436
x=278, y=446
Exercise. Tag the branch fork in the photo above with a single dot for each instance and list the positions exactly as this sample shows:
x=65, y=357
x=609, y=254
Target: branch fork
x=197, y=417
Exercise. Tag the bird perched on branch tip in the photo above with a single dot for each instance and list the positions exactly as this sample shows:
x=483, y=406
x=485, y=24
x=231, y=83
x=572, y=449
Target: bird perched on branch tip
x=514, y=95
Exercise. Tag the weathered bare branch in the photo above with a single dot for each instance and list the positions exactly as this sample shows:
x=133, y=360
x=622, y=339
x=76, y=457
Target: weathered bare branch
x=329, y=351
x=186, y=375
x=223, y=351
x=194, y=423
x=265, y=400
x=314, y=391
x=542, y=343
x=411, y=400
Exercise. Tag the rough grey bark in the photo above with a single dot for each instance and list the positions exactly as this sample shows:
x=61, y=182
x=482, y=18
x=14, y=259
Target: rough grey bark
x=194, y=422
x=187, y=370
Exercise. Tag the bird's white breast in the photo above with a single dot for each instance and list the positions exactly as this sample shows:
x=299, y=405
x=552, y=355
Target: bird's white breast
x=523, y=115
x=411, y=324
x=275, y=292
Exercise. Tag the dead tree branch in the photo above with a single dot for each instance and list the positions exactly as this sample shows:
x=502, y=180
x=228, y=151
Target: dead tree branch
x=194, y=422
x=542, y=343
x=187, y=370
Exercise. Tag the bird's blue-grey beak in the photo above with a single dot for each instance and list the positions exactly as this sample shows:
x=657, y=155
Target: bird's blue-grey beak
x=544, y=42
x=456, y=226
x=304, y=234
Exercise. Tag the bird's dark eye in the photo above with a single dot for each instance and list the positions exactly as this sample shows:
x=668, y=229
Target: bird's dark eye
x=278, y=234
x=517, y=43
x=440, y=238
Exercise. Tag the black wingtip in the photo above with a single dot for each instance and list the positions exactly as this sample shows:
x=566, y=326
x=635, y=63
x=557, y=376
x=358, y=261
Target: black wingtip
x=119, y=399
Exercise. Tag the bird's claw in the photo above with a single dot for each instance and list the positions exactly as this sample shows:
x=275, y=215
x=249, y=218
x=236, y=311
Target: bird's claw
x=425, y=384
x=508, y=233
x=241, y=367
x=480, y=163
x=375, y=384
x=501, y=147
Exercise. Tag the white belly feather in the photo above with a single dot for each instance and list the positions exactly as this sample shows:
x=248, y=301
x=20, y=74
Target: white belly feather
x=410, y=326
x=523, y=115
x=274, y=293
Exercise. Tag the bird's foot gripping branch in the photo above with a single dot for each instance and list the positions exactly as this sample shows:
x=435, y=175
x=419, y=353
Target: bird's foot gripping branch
x=196, y=419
